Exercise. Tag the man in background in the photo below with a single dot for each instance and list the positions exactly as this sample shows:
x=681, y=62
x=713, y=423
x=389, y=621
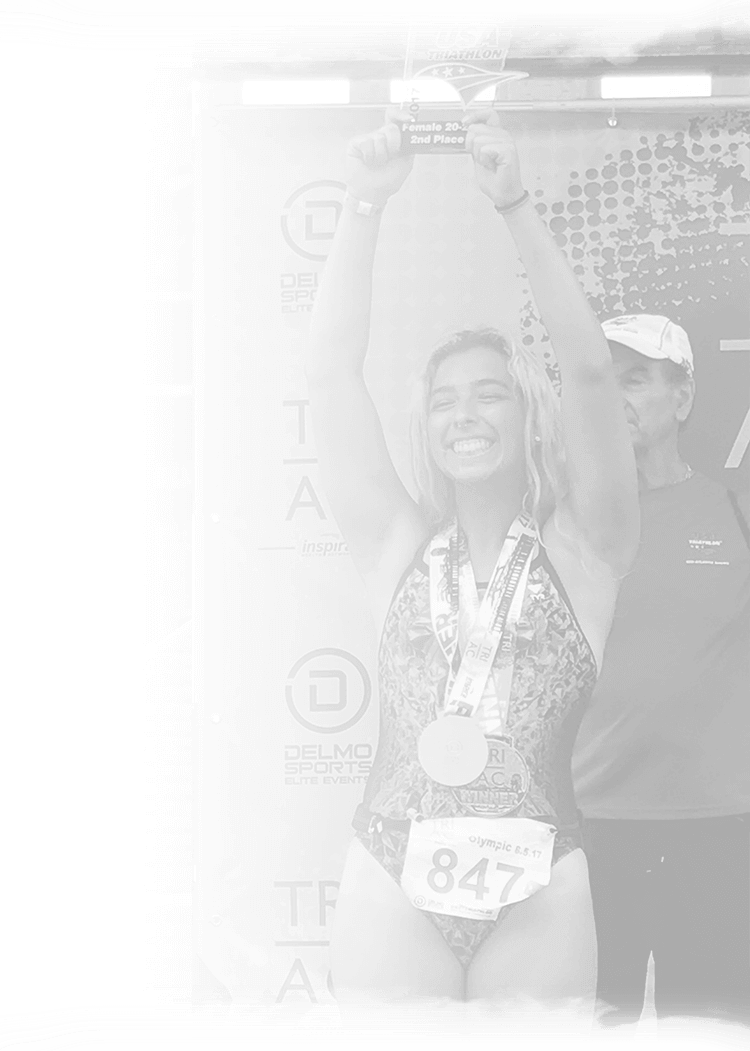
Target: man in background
x=662, y=760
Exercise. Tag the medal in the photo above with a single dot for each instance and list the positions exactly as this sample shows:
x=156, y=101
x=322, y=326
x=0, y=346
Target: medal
x=501, y=786
x=453, y=750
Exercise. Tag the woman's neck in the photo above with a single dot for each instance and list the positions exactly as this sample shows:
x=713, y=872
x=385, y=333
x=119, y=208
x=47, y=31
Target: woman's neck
x=486, y=513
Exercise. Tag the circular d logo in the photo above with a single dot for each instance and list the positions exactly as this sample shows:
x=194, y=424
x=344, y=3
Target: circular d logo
x=328, y=690
x=309, y=218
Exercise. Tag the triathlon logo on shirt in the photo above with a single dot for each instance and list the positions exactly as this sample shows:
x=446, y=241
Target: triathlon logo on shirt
x=704, y=547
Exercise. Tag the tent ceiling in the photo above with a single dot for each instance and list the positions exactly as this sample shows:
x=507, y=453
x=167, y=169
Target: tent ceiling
x=379, y=51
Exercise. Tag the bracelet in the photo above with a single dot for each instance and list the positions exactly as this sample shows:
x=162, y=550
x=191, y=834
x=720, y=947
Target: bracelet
x=512, y=207
x=363, y=207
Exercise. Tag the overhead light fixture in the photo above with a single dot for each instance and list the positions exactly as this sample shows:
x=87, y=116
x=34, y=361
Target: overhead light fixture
x=432, y=89
x=424, y=89
x=656, y=87
x=295, y=92
x=488, y=95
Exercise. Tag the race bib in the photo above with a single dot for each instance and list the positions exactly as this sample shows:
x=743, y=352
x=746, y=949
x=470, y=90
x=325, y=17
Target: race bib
x=473, y=866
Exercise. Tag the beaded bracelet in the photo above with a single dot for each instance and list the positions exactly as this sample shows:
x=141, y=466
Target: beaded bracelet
x=512, y=207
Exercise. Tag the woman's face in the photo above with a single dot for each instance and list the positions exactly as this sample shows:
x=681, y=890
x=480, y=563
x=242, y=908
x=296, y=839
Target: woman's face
x=475, y=417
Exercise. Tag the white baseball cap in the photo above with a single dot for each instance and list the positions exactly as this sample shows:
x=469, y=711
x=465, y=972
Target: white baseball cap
x=652, y=335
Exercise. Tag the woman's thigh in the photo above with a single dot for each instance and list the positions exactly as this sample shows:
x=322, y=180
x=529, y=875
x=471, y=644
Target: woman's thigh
x=545, y=948
x=382, y=948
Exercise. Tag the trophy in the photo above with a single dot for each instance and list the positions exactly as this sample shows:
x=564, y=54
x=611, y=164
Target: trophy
x=470, y=59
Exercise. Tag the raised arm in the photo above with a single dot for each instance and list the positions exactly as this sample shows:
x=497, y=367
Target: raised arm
x=602, y=506
x=371, y=506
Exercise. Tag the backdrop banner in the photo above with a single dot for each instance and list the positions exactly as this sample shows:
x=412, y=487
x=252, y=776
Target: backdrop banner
x=654, y=215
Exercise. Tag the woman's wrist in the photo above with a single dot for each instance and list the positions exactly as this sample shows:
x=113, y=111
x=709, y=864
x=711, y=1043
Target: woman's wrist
x=519, y=202
x=367, y=204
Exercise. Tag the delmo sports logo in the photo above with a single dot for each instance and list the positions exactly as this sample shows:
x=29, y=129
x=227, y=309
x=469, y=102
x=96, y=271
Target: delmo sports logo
x=309, y=218
x=328, y=690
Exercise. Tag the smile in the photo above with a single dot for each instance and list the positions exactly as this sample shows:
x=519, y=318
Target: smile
x=471, y=446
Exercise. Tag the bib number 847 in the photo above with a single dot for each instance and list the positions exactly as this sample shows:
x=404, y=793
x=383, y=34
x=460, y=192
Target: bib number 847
x=441, y=878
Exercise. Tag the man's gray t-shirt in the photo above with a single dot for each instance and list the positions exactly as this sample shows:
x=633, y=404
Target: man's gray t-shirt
x=667, y=733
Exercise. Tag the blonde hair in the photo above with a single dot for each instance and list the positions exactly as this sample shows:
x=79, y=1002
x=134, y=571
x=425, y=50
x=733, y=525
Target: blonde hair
x=545, y=467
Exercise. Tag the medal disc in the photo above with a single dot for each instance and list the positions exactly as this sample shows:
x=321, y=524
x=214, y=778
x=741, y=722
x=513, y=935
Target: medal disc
x=452, y=750
x=502, y=785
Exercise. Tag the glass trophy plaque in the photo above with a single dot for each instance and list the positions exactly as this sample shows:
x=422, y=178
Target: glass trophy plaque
x=470, y=59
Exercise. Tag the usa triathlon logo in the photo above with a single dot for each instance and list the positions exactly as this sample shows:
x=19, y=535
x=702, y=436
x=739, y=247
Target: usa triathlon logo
x=310, y=217
x=470, y=58
x=328, y=690
x=467, y=78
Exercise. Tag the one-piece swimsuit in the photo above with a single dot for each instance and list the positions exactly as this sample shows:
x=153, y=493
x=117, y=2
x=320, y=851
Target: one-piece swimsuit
x=553, y=678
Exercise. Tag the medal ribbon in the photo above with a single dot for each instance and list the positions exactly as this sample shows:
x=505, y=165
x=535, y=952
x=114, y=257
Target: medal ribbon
x=485, y=628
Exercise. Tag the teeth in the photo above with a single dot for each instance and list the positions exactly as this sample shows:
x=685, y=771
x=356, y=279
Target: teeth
x=471, y=445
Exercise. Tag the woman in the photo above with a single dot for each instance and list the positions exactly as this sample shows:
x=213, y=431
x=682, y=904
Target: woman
x=481, y=697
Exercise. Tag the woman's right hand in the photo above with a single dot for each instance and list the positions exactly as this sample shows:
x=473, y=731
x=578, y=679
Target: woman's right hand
x=376, y=168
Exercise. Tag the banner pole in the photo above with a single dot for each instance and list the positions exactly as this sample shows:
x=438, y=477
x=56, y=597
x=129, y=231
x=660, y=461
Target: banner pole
x=714, y=102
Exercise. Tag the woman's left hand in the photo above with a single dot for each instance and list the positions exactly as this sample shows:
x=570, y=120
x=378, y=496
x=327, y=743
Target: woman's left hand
x=495, y=158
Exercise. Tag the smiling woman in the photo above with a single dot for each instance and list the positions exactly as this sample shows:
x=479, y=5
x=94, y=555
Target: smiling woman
x=475, y=421
x=508, y=381
x=466, y=878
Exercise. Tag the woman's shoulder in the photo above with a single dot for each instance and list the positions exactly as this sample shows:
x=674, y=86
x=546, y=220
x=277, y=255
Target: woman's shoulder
x=589, y=583
x=404, y=553
x=565, y=542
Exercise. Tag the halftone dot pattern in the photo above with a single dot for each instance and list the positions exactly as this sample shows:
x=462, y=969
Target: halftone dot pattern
x=643, y=224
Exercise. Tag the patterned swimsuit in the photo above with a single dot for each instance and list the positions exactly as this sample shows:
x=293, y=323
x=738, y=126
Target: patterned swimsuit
x=554, y=675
